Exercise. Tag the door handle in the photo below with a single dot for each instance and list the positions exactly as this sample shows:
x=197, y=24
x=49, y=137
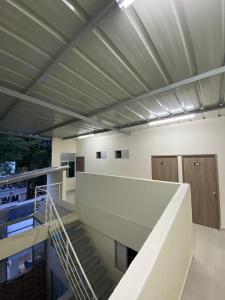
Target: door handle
x=214, y=193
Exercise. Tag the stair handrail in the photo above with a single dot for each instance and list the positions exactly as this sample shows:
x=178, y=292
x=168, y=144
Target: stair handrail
x=44, y=188
x=49, y=199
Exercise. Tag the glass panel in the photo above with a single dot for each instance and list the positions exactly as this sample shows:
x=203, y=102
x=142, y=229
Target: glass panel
x=19, y=227
x=3, y=270
x=71, y=169
x=39, y=252
x=19, y=263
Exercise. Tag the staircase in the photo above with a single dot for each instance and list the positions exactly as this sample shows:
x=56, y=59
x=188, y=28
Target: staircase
x=93, y=266
x=84, y=270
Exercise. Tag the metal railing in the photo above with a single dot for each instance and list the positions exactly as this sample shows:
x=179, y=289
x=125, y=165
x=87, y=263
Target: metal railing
x=75, y=274
x=40, y=203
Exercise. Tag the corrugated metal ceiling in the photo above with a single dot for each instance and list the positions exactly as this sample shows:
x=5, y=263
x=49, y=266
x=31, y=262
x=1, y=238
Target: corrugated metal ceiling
x=150, y=45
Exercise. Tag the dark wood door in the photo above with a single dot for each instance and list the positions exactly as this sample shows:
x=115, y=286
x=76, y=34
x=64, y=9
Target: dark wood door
x=165, y=168
x=80, y=163
x=201, y=173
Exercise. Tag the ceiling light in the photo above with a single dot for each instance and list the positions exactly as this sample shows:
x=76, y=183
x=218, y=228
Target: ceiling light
x=190, y=107
x=124, y=3
x=170, y=120
x=68, y=4
x=164, y=113
x=85, y=136
x=176, y=110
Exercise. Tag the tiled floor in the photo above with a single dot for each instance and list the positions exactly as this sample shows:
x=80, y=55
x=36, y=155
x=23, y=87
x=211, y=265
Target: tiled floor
x=206, y=279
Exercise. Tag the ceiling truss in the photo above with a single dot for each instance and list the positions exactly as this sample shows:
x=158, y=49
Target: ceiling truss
x=118, y=110
x=138, y=123
x=154, y=93
x=59, y=57
x=56, y=108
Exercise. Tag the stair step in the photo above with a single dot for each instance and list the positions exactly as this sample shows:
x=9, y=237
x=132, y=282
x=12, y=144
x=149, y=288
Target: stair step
x=81, y=244
x=77, y=235
x=72, y=228
x=102, y=287
x=94, y=270
x=89, y=251
x=91, y=263
x=95, y=274
x=74, y=224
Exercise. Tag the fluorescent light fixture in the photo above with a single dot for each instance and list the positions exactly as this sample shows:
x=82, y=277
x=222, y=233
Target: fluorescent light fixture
x=164, y=113
x=124, y=3
x=176, y=110
x=171, y=120
x=68, y=4
x=85, y=136
x=190, y=107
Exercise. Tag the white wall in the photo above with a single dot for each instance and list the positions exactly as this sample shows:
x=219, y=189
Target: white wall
x=196, y=137
x=105, y=249
x=53, y=264
x=160, y=269
x=17, y=243
x=124, y=209
x=63, y=146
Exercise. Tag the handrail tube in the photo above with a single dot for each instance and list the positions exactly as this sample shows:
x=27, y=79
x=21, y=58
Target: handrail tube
x=50, y=184
x=71, y=274
x=58, y=242
x=79, y=279
x=63, y=263
x=73, y=269
x=74, y=253
x=69, y=278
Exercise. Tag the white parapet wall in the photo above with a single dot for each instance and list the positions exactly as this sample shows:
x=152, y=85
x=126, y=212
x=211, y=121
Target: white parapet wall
x=125, y=209
x=14, y=244
x=163, y=262
x=150, y=216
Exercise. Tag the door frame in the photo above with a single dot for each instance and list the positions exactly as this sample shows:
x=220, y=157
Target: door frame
x=166, y=156
x=217, y=179
x=77, y=157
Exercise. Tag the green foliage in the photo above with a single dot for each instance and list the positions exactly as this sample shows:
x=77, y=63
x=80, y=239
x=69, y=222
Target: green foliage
x=29, y=154
x=5, y=169
x=13, y=148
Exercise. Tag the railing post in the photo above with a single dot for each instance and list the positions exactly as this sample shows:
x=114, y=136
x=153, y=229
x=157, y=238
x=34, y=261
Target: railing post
x=46, y=208
x=59, y=195
x=35, y=200
x=67, y=257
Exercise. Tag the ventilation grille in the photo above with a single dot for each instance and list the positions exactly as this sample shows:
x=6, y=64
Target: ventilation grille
x=101, y=155
x=124, y=154
x=121, y=257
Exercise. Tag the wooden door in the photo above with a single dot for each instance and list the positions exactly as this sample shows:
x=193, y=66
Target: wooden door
x=201, y=173
x=80, y=163
x=165, y=168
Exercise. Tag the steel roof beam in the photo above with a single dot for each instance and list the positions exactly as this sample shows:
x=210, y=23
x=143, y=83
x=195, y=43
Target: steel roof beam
x=74, y=42
x=196, y=111
x=162, y=90
x=62, y=124
x=86, y=133
x=92, y=23
x=64, y=111
x=153, y=93
x=138, y=123
x=21, y=134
